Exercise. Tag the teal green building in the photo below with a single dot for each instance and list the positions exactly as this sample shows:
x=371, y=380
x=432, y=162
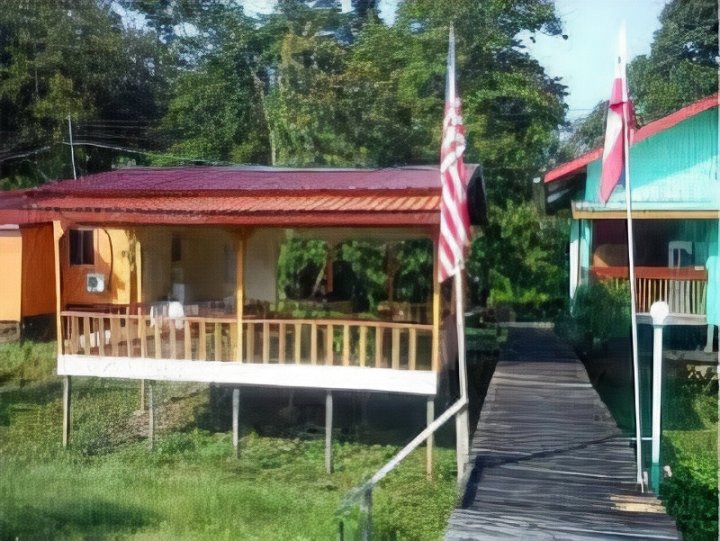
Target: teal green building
x=675, y=193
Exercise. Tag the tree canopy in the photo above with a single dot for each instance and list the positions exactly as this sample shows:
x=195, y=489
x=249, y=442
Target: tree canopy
x=181, y=81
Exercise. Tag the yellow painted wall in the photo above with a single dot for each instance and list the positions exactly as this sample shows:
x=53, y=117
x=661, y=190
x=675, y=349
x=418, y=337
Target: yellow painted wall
x=38, y=267
x=201, y=268
x=156, y=243
x=10, y=274
x=261, y=258
x=112, y=258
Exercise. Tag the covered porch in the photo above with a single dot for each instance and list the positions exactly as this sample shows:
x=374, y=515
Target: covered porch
x=672, y=258
x=207, y=307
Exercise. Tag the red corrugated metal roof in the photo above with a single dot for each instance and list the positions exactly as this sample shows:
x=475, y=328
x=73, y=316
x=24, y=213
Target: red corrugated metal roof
x=144, y=180
x=649, y=130
x=398, y=196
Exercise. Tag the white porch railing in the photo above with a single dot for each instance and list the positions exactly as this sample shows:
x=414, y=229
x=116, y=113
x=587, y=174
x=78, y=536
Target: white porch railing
x=330, y=342
x=684, y=289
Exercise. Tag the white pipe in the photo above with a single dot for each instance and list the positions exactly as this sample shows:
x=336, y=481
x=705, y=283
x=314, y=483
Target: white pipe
x=462, y=427
x=659, y=311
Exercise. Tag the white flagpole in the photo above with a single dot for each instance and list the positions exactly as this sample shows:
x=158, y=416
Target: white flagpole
x=462, y=427
x=462, y=418
x=631, y=269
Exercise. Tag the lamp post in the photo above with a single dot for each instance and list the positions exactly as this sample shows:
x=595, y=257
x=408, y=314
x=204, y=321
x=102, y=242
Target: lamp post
x=658, y=311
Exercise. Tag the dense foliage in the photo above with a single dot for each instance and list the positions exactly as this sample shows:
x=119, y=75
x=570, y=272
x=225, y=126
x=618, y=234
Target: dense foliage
x=174, y=82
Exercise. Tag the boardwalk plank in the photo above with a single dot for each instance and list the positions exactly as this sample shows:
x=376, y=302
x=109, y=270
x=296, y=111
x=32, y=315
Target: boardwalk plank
x=549, y=461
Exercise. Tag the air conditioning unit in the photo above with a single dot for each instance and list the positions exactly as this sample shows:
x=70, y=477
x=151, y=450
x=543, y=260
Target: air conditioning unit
x=95, y=282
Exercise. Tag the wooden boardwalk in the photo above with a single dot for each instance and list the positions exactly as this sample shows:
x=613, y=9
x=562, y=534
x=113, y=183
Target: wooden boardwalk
x=548, y=460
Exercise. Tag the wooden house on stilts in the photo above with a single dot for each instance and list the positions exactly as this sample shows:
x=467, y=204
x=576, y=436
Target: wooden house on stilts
x=171, y=274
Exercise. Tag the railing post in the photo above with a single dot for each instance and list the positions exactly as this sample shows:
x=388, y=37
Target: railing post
x=367, y=515
x=659, y=311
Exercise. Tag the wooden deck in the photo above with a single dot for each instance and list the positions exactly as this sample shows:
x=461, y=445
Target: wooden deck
x=548, y=459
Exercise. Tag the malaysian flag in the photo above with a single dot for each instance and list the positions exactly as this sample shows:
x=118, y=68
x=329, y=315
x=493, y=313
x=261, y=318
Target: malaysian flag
x=454, y=216
x=619, y=117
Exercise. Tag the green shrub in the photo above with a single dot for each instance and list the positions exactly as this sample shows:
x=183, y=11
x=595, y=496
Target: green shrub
x=693, y=503
x=599, y=311
x=23, y=362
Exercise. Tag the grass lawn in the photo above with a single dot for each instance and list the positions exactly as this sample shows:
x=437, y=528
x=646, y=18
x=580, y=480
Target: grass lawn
x=108, y=485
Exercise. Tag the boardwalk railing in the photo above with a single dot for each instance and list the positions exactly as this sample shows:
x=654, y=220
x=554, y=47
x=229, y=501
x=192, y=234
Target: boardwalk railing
x=683, y=288
x=363, y=494
x=331, y=342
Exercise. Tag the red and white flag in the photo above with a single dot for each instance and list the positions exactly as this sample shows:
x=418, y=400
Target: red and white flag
x=454, y=216
x=617, y=128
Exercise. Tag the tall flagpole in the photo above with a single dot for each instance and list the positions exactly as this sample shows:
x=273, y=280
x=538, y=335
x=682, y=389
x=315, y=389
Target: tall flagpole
x=462, y=428
x=631, y=268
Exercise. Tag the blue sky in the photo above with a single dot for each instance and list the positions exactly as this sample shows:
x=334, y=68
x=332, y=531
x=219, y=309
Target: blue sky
x=585, y=61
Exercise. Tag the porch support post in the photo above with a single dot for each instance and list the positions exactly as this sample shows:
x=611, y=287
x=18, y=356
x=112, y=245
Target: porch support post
x=435, y=310
x=328, y=432
x=138, y=271
x=57, y=235
x=139, y=299
x=151, y=416
x=429, y=418
x=67, y=419
x=236, y=420
x=240, y=247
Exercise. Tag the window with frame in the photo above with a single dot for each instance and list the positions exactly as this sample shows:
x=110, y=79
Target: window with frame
x=82, y=247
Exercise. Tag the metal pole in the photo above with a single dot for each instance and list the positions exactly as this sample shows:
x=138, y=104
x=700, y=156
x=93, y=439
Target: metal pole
x=659, y=311
x=367, y=512
x=236, y=420
x=72, y=148
x=462, y=430
x=328, y=432
x=631, y=272
x=429, y=418
x=151, y=416
x=67, y=387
